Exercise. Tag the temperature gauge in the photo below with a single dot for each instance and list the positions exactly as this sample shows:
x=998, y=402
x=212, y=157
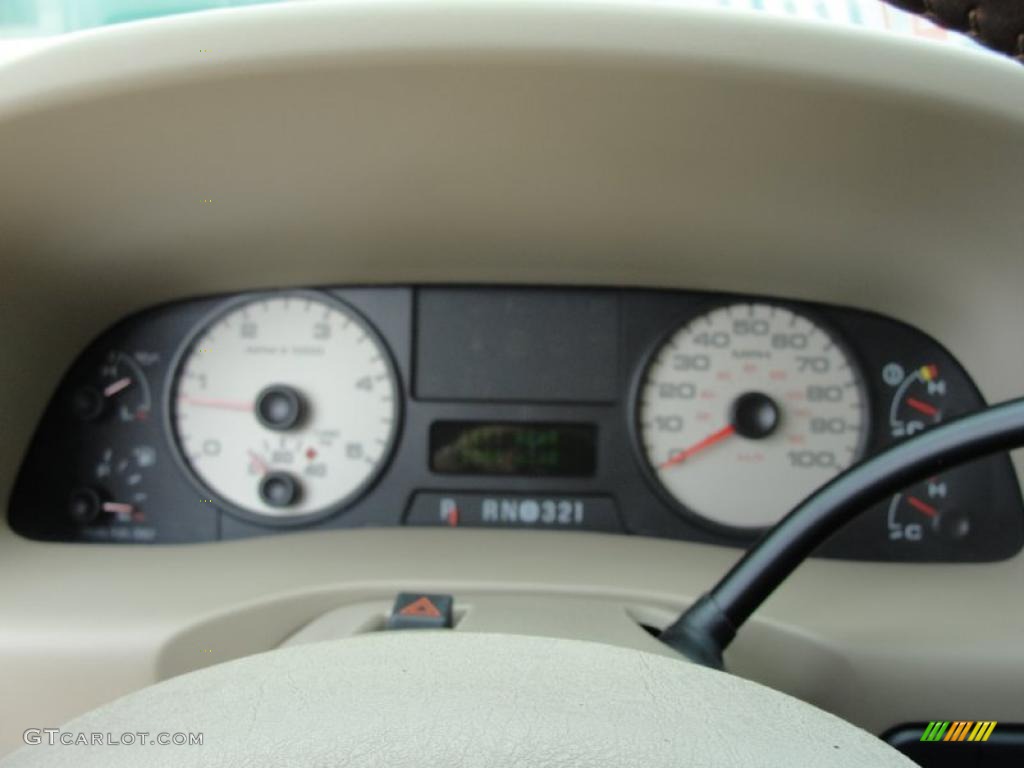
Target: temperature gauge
x=925, y=510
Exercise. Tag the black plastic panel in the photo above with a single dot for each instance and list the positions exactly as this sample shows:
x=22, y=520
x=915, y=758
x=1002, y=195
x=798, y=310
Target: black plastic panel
x=492, y=356
x=1003, y=749
x=517, y=345
x=544, y=512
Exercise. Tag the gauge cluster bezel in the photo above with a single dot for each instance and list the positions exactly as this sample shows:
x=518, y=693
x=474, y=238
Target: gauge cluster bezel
x=622, y=481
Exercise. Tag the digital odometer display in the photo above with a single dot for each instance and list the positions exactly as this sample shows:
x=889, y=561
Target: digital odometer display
x=524, y=449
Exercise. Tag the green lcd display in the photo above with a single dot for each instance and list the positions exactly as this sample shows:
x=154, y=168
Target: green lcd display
x=513, y=448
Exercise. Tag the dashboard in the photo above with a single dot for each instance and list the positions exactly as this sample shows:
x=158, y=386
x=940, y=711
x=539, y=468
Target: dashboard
x=681, y=415
x=625, y=145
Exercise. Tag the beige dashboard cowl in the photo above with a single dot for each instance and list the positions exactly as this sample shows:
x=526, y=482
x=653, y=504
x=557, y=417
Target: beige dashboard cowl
x=552, y=142
x=441, y=699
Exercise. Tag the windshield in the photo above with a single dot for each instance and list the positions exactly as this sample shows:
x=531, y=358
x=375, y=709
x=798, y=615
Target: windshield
x=24, y=18
x=34, y=18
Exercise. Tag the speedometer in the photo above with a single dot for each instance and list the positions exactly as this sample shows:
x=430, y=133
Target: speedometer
x=746, y=410
x=285, y=405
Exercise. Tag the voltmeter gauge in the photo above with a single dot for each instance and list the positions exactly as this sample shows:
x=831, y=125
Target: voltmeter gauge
x=746, y=410
x=285, y=406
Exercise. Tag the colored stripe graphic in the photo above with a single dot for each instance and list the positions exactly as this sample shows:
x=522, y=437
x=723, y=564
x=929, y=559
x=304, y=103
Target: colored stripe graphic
x=982, y=730
x=958, y=730
x=934, y=730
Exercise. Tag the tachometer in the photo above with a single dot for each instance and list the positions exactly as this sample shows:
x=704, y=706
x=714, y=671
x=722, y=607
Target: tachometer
x=286, y=405
x=746, y=410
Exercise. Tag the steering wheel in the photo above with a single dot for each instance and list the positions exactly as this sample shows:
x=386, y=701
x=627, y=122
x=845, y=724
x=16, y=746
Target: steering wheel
x=439, y=697
x=444, y=698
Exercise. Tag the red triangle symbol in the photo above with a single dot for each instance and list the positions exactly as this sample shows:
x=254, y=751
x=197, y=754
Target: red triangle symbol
x=420, y=607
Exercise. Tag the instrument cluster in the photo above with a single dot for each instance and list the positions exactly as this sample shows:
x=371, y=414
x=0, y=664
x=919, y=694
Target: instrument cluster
x=695, y=416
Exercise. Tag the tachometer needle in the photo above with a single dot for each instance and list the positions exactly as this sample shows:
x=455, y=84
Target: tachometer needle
x=112, y=389
x=707, y=442
x=209, y=402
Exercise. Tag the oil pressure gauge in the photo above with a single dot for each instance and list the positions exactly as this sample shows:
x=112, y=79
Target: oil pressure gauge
x=746, y=410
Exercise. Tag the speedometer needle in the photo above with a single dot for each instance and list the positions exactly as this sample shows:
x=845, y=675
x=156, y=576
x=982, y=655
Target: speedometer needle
x=209, y=402
x=707, y=442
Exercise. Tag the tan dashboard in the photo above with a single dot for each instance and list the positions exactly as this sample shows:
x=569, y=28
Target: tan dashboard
x=548, y=144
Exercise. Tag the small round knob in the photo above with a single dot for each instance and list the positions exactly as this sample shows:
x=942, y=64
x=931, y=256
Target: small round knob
x=954, y=525
x=84, y=505
x=279, y=489
x=755, y=415
x=87, y=403
x=279, y=407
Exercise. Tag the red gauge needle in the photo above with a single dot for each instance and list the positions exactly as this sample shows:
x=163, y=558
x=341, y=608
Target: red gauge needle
x=118, y=508
x=922, y=407
x=260, y=464
x=112, y=389
x=920, y=506
x=209, y=402
x=707, y=442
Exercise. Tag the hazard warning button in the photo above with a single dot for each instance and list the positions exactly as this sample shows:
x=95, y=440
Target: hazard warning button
x=414, y=610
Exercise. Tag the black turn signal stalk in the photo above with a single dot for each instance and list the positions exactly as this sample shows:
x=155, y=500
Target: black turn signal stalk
x=705, y=630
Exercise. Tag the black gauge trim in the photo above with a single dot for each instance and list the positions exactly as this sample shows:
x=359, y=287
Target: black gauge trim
x=228, y=507
x=639, y=376
x=648, y=317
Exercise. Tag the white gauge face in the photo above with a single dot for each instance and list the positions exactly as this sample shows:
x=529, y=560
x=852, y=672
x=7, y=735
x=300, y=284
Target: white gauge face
x=746, y=410
x=286, y=405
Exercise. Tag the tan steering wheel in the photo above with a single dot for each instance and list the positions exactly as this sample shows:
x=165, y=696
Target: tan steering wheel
x=439, y=698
